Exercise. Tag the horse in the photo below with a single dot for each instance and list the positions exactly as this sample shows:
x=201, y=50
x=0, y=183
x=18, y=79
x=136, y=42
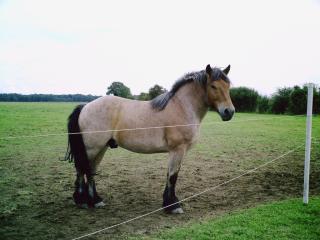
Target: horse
x=168, y=123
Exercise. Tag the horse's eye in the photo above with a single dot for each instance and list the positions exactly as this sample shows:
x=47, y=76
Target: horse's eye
x=214, y=87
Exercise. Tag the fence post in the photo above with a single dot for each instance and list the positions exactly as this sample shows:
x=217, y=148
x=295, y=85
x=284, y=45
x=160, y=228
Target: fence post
x=308, y=145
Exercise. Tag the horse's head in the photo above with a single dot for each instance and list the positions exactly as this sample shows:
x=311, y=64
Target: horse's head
x=218, y=96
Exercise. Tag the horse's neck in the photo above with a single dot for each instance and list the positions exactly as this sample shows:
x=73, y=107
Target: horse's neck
x=192, y=98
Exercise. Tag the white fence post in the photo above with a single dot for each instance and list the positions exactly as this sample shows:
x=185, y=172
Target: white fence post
x=308, y=145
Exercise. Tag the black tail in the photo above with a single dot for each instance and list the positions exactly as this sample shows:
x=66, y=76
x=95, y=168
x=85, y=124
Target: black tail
x=76, y=149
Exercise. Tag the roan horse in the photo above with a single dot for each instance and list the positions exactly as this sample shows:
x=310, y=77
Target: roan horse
x=147, y=121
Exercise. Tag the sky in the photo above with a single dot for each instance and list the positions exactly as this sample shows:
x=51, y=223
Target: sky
x=83, y=46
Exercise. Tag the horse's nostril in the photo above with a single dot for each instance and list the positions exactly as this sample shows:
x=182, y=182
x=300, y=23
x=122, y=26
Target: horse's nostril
x=227, y=112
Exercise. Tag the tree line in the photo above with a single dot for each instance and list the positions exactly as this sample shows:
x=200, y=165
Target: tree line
x=15, y=97
x=286, y=100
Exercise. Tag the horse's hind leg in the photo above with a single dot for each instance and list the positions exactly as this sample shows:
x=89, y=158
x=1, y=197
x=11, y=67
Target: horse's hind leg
x=169, y=195
x=80, y=195
x=94, y=200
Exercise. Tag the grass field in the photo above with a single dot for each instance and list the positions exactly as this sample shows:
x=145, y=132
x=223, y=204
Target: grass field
x=36, y=187
x=285, y=220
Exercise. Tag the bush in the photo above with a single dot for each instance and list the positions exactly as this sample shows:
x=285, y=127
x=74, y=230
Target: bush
x=144, y=96
x=294, y=100
x=279, y=102
x=244, y=99
x=155, y=91
x=263, y=104
x=316, y=100
x=298, y=100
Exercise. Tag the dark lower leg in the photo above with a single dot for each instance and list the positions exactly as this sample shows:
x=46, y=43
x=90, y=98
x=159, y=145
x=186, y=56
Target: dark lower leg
x=93, y=197
x=80, y=195
x=169, y=195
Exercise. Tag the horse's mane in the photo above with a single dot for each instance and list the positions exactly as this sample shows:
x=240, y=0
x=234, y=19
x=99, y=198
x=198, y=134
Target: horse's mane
x=160, y=102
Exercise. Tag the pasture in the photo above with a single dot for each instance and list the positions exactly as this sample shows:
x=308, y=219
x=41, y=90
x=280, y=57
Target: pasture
x=36, y=186
x=285, y=220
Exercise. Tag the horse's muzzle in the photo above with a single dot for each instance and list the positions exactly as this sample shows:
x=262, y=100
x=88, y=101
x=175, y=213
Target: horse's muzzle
x=226, y=113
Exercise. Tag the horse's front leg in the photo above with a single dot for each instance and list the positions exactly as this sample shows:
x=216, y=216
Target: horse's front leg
x=169, y=195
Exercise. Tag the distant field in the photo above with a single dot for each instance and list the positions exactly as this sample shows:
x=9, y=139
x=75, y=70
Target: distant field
x=36, y=187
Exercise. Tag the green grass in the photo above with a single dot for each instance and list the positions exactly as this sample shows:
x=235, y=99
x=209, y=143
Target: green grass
x=21, y=159
x=283, y=220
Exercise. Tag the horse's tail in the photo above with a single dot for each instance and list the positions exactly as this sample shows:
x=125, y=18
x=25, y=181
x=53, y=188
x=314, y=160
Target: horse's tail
x=76, y=149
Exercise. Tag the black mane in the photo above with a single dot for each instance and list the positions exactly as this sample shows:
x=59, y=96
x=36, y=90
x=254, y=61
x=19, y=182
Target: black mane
x=200, y=77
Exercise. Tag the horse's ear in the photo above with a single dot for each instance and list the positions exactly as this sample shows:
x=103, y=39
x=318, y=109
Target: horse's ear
x=208, y=70
x=226, y=70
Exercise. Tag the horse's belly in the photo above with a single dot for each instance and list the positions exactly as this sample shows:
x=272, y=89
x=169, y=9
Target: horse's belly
x=143, y=149
x=143, y=144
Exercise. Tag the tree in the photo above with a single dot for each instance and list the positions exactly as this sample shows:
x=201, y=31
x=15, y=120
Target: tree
x=120, y=90
x=316, y=100
x=244, y=99
x=155, y=91
x=263, y=104
x=298, y=100
x=280, y=100
x=144, y=96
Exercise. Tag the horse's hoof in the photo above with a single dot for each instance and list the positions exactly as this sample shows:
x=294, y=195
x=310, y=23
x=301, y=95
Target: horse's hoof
x=177, y=211
x=99, y=204
x=82, y=205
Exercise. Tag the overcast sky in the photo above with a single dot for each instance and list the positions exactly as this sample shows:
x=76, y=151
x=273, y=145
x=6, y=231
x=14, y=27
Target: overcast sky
x=83, y=46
